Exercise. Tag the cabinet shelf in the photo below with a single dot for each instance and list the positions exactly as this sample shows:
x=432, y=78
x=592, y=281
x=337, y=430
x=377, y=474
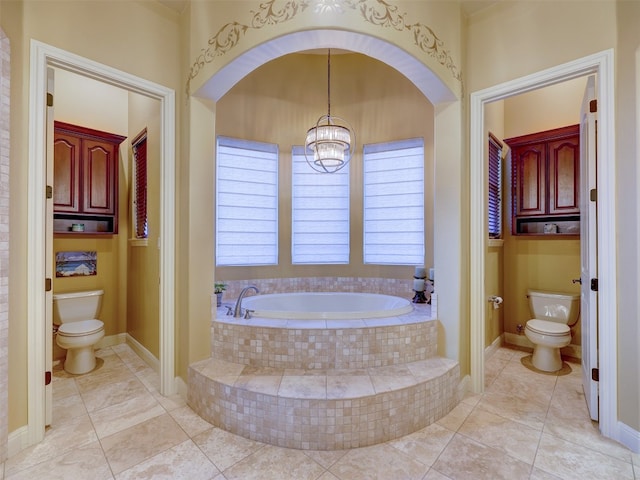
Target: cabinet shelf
x=548, y=226
x=93, y=224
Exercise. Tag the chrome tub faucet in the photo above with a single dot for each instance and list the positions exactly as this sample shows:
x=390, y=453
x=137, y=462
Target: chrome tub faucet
x=237, y=313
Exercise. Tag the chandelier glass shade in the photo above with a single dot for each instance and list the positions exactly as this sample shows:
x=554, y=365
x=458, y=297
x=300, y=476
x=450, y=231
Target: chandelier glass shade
x=330, y=143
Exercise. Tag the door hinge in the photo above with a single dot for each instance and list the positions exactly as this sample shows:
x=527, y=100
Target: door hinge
x=594, y=284
x=49, y=191
x=593, y=195
x=47, y=284
x=595, y=374
x=49, y=99
x=47, y=378
x=593, y=106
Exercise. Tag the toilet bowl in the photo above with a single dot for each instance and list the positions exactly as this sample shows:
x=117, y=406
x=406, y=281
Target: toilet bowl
x=78, y=330
x=554, y=313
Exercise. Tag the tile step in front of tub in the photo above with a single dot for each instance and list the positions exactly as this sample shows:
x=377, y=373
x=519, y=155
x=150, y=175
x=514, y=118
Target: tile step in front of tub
x=323, y=409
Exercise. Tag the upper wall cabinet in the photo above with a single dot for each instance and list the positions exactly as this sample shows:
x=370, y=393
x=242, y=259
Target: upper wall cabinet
x=85, y=185
x=545, y=182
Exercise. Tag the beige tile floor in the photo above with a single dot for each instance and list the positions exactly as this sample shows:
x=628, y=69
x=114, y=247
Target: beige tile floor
x=113, y=424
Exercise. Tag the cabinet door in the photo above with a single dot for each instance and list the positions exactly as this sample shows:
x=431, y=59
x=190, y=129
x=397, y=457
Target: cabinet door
x=564, y=176
x=99, y=177
x=66, y=173
x=530, y=176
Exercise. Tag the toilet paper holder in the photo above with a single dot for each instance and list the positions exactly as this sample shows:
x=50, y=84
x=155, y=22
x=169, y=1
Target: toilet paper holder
x=496, y=300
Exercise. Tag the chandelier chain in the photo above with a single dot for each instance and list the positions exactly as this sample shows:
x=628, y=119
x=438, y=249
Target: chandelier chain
x=329, y=84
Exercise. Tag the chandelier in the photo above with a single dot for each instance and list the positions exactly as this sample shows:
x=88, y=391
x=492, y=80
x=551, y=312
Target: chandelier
x=330, y=143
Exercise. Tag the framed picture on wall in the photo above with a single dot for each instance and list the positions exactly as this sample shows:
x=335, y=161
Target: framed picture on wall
x=76, y=264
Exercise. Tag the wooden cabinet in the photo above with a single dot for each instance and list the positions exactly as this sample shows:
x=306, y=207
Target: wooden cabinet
x=545, y=182
x=85, y=185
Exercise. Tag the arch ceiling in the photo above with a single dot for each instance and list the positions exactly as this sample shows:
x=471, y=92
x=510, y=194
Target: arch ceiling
x=419, y=74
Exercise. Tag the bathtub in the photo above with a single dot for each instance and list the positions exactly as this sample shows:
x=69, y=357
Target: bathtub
x=326, y=305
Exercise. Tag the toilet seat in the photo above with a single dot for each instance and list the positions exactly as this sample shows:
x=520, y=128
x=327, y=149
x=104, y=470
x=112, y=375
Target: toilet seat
x=545, y=327
x=81, y=328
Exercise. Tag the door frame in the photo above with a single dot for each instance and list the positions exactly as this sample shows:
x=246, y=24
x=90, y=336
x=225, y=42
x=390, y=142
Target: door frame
x=43, y=56
x=601, y=64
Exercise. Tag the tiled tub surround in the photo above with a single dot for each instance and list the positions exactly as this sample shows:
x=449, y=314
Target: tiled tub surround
x=325, y=344
x=324, y=384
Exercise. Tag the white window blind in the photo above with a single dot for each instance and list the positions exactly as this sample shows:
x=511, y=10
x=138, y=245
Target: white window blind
x=320, y=214
x=246, y=202
x=394, y=203
x=495, y=188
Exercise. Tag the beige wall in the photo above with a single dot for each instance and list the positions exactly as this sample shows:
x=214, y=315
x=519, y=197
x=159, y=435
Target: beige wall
x=627, y=180
x=381, y=105
x=494, y=259
x=507, y=37
x=11, y=20
x=143, y=262
x=93, y=30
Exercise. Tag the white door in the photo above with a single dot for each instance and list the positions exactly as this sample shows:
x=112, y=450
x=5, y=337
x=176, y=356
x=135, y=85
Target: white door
x=48, y=324
x=588, y=247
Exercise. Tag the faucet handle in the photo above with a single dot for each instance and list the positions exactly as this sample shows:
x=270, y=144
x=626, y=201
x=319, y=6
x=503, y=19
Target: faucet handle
x=229, y=310
x=247, y=313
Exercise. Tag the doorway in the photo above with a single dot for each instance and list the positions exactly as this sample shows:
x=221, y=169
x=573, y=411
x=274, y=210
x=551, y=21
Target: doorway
x=600, y=64
x=42, y=57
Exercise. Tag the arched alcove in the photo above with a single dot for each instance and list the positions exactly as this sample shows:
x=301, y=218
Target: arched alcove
x=448, y=172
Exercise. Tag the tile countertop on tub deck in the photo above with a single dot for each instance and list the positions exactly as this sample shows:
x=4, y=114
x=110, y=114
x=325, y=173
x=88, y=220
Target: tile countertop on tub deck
x=421, y=312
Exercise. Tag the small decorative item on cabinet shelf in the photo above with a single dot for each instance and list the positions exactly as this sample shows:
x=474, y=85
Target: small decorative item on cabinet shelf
x=218, y=289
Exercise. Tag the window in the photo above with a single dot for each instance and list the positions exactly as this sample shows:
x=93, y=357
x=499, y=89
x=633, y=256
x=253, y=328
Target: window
x=394, y=203
x=320, y=214
x=495, y=187
x=246, y=202
x=139, y=146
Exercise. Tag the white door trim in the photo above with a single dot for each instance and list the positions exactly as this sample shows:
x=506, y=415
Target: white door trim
x=601, y=64
x=43, y=56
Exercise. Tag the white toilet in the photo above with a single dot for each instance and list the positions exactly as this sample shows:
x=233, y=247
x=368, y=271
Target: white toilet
x=78, y=330
x=549, y=329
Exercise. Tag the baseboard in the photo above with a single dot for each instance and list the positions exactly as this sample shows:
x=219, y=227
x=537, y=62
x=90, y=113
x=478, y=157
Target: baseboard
x=111, y=340
x=629, y=437
x=143, y=353
x=17, y=441
x=495, y=345
x=573, y=351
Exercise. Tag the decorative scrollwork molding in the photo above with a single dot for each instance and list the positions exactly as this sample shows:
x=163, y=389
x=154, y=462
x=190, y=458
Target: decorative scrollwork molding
x=376, y=12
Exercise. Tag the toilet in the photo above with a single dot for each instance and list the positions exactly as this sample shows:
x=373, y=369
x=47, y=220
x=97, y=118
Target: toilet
x=549, y=329
x=78, y=330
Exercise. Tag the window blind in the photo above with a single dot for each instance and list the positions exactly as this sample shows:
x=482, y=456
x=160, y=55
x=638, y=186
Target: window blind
x=394, y=203
x=495, y=188
x=320, y=213
x=139, y=146
x=246, y=202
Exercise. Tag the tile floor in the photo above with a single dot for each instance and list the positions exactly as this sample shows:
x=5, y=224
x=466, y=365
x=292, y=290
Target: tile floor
x=112, y=423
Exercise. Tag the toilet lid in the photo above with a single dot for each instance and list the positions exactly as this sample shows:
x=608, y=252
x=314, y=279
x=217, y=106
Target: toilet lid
x=545, y=327
x=83, y=327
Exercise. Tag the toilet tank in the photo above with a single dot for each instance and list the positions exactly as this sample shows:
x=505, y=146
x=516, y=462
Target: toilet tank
x=557, y=307
x=76, y=306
